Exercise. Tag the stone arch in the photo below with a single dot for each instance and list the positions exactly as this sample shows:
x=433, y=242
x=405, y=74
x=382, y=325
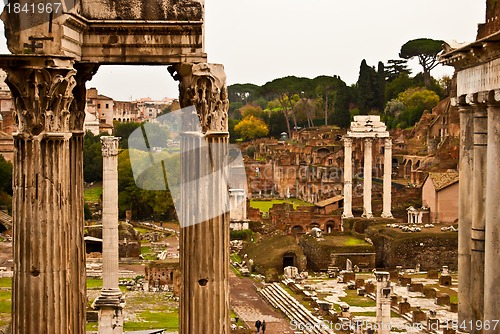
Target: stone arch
x=297, y=229
x=331, y=226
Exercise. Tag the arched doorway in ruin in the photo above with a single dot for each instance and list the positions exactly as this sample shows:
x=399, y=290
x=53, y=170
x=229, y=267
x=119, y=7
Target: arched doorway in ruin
x=297, y=229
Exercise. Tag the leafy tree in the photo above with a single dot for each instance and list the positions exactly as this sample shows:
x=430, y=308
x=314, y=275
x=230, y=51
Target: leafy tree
x=398, y=85
x=252, y=110
x=123, y=130
x=370, y=96
x=426, y=50
x=416, y=100
x=5, y=176
x=251, y=127
x=396, y=67
x=92, y=158
x=341, y=114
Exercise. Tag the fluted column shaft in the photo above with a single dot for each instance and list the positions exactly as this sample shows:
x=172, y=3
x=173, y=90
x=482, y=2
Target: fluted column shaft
x=49, y=273
x=204, y=238
x=478, y=214
x=347, y=178
x=367, y=179
x=466, y=170
x=492, y=237
x=387, y=196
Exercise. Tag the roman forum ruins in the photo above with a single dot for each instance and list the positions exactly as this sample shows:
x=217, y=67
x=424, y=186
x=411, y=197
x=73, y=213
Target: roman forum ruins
x=477, y=68
x=53, y=56
x=368, y=128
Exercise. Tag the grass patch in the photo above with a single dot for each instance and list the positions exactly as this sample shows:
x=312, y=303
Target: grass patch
x=353, y=299
x=264, y=206
x=155, y=319
x=5, y=301
x=93, y=194
x=6, y=282
x=94, y=283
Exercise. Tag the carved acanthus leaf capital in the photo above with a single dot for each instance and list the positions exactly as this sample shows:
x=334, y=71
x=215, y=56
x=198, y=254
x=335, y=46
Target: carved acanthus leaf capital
x=204, y=87
x=109, y=145
x=42, y=98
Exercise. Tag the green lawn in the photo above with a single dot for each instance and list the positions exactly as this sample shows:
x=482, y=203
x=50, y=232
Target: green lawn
x=264, y=206
x=353, y=299
x=93, y=194
x=5, y=301
x=5, y=282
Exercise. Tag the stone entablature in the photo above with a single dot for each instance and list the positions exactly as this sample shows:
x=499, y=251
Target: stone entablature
x=141, y=32
x=367, y=127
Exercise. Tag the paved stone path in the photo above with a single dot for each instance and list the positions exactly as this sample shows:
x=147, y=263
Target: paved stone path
x=250, y=307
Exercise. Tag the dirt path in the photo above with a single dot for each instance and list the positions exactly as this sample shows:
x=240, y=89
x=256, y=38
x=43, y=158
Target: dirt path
x=250, y=306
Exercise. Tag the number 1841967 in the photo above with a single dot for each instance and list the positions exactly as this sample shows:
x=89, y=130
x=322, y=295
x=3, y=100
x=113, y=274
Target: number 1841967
x=32, y=8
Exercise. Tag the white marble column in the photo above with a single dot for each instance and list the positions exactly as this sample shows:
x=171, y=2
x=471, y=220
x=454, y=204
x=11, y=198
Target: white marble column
x=204, y=237
x=386, y=211
x=110, y=302
x=478, y=197
x=383, y=302
x=492, y=237
x=466, y=163
x=347, y=178
x=48, y=293
x=367, y=176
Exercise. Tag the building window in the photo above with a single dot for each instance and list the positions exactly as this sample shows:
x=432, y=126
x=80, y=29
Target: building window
x=107, y=106
x=98, y=105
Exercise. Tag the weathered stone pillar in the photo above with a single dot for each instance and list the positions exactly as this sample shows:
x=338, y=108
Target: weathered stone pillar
x=386, y=211
x=347, y=178
x=478, y=196
x=492, y=238
x=204, y=245
x=110, y=302
x=49, y=252
x=466, y=165
x=383, y=302
x=367, y=179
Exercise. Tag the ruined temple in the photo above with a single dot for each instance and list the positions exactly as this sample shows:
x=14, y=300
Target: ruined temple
x=56, y=48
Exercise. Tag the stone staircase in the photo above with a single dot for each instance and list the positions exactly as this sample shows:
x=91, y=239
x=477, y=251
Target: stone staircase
x=300, y=317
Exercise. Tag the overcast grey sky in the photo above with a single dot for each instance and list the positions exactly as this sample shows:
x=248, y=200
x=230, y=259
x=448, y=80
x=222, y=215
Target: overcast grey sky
x=260, y=40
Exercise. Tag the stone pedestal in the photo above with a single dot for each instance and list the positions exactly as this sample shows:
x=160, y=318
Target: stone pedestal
x=49, y=253
x=347, y=178
x=367, y=180
x=204, y=245
x=383, y=302
x=110, y=303
x=386, y=211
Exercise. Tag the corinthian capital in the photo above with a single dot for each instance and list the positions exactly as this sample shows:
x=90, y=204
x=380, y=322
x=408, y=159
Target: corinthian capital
x=204, y=87
x=42, y=98
x=109, y=146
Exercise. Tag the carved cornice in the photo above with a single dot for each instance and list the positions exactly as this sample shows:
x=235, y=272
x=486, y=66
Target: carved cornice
x=42, y=98
x=85, y=72
x=204, y=87
x=109, y=146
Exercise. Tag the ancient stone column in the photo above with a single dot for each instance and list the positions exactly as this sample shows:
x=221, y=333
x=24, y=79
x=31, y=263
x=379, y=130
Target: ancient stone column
x=110, y=302
x=386, y=211
x=347, y=178
x=465, y=165
x=204, y=245
x=383, y=302
x=492, y=237
x=49, y=253
x=367, y=182
x=478, y=197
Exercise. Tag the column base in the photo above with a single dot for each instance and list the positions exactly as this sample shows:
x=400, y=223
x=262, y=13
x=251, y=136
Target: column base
x=367, y=215
x=109, y=298
x=347, y=215
x=110, y=320
x=387, y=215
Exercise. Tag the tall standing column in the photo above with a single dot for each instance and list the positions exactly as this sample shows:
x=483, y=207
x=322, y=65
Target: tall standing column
x=204, y=245
x=383, y=302
x=466, y=164
x=386, y=211
x=492, y=238
x=110, y=302
x=347, y=178
x=48, y=291
x=478, y=212
x=367, y=182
